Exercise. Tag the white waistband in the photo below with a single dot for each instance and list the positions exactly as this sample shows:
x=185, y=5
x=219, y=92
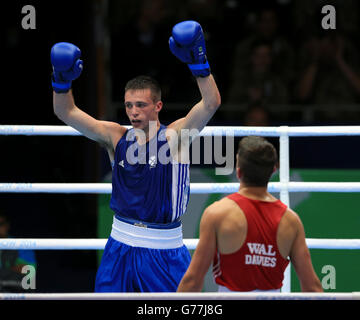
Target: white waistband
x=137, y=236
x=225, y=289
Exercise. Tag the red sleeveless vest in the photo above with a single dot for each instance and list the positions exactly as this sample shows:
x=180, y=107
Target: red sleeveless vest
x=258, y=264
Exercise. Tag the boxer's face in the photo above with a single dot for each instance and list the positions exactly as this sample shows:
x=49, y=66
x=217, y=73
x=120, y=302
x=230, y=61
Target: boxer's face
x=141, y=108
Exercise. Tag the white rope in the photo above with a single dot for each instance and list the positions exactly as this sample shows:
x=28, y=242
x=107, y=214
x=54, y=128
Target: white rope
x=216, y=296
x=195, y=188
x=318, y=186
x=30, y=130
x=98, y=188
x=99, y=244
x=36, y=130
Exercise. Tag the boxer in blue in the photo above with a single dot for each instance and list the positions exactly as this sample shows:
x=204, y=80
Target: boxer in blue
x=150, y=182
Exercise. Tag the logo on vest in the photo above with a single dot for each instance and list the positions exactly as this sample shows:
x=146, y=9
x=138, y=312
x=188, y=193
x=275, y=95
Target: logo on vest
x=261, y=255
x=152, y=162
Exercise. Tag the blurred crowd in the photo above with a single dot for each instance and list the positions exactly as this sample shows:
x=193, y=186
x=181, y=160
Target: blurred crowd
x=262, y=53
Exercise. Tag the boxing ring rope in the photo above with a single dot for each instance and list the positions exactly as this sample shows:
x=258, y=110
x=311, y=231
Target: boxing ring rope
x=299, y=131
x=283, y=187
x=195, y=188
x=99, y=244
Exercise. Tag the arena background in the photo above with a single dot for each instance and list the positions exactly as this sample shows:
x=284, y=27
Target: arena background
x=115, y=47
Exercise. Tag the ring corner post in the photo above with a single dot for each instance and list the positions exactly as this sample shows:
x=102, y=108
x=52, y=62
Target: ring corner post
x=284, y=172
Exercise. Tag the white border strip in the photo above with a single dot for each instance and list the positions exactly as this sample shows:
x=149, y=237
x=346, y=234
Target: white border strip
x=182, y=296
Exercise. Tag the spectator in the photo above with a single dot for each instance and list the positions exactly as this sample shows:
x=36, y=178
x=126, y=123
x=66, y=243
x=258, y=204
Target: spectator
x=12, y=262
x=267, y=30
x=257, y=115
x=142, y=45
x=330, y=72
x=257, y=80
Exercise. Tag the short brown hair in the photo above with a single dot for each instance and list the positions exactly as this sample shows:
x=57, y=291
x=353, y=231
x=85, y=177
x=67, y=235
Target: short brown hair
x=256, y=157
x=145, y=82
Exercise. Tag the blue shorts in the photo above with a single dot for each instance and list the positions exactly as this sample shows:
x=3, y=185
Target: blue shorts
x=138, y=259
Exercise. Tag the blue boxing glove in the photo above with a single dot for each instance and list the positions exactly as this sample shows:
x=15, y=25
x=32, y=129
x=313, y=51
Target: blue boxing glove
x=187, y=43
x=66, y=65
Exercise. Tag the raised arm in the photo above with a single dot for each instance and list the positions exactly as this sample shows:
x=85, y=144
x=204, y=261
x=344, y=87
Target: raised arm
x=202, y=112
x=188, y=45
x=104, y=132
x=67, y=66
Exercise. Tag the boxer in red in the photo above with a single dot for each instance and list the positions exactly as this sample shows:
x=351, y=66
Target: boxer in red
x=250, y=235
